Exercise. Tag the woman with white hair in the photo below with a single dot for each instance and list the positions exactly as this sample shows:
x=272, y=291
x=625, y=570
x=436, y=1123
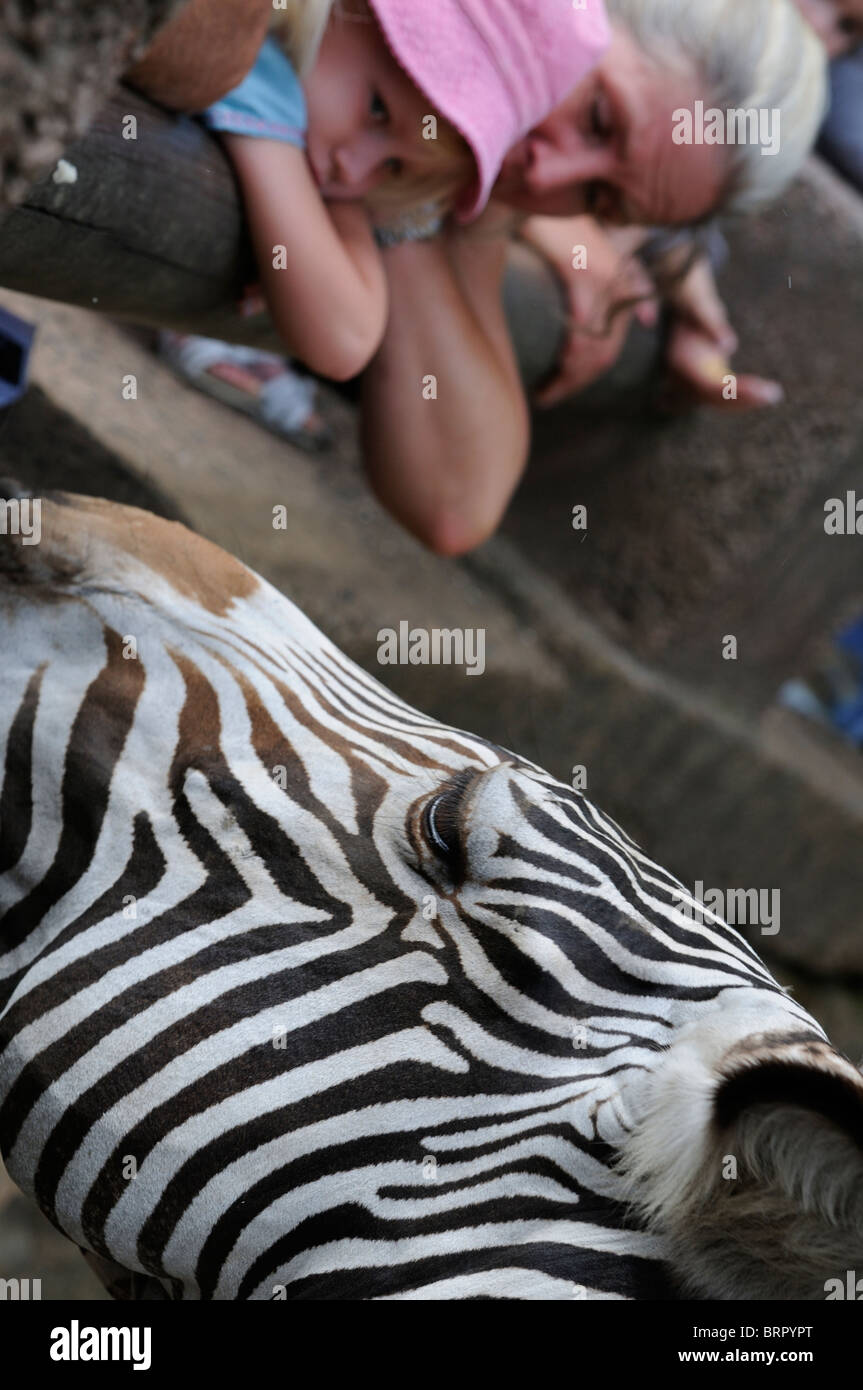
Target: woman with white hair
x=447, y=467
x=699, y=339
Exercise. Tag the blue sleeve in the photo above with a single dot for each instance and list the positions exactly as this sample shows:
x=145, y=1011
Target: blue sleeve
x=269, y=101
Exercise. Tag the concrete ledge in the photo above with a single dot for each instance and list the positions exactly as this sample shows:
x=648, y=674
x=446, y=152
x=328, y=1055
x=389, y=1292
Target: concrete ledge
x=105, y=243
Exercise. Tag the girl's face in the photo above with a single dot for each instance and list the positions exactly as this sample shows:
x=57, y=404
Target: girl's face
x=838, y=23
x=365, y=114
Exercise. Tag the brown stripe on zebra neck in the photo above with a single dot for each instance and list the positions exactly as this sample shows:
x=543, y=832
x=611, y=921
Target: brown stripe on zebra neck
x=98, y=736
x=87, y=538
x=200, y=726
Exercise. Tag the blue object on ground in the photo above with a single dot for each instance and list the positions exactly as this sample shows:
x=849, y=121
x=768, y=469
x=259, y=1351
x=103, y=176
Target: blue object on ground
x=835, y=696
x=842, y=136
x=16, y=338
x=848, y=713
x=851, y=640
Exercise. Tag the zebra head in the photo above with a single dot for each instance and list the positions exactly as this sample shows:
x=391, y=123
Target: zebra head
x=303, y=994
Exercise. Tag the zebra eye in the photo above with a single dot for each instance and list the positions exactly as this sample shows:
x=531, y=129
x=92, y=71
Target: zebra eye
x=439, y=831
x=442, y=824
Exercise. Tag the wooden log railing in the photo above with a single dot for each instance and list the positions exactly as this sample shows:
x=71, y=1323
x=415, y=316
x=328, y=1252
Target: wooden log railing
x=151, y=230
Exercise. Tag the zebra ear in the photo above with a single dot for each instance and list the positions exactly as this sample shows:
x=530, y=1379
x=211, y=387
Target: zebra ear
x=746, y=1157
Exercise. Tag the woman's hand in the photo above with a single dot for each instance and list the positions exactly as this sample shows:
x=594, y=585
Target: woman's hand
x=598, y=270
x=701, y=344
x=701, y=339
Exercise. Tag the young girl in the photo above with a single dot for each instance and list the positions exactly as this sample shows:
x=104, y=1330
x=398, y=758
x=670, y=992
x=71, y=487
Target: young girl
x=399, y=104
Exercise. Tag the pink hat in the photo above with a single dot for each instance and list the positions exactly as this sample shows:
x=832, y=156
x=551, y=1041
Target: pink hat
x=494, y=68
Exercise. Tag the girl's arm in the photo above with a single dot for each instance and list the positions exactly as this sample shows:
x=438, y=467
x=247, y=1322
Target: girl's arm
x=329, y=303
x=446, y=467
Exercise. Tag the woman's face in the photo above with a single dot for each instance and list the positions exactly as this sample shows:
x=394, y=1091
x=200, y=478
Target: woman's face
x=608, y=149
x=838, y=23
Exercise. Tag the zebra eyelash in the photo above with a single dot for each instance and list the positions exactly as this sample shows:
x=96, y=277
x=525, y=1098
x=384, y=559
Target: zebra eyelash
x=435, y=836
x=442, y=823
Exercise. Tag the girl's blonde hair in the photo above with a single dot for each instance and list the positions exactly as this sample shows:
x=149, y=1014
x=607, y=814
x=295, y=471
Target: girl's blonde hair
x=300, y=26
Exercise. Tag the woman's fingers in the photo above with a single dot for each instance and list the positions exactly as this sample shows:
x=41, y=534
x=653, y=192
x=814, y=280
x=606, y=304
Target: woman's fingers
x=584, y=360
x=755, y=393
x=647, y=313
x=598, y=330
x=697, y=299
x=709, y=378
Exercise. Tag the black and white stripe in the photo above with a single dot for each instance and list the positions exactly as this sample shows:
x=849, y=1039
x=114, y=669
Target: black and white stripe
x=468, y=1011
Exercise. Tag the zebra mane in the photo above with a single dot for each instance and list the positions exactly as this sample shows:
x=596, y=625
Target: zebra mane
x=22, y=563
x=87, y=540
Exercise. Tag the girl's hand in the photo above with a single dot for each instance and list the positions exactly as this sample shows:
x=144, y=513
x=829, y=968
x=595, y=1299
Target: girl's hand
x=320, y=269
